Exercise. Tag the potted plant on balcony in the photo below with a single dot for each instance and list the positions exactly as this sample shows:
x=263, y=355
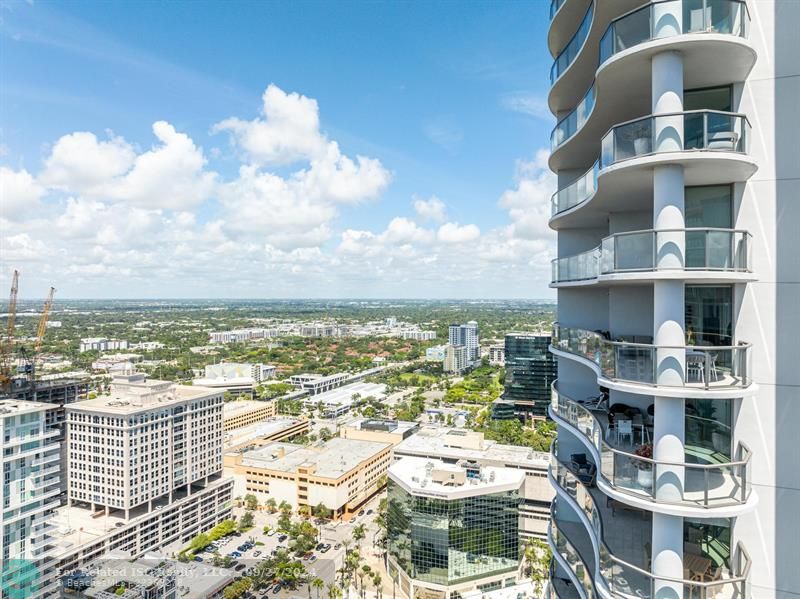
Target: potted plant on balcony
x=645, y=468
x=640, y=133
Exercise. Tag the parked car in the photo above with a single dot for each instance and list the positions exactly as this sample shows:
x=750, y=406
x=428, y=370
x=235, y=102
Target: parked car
x=271, y=532
x=240, y=567
x=198, y=559
x=325, y=548
x=256, y=554
x=282, y=538
x=277, y=589
x=337, y=546
x=361, y=513
x=369, y=512
x=313, y=558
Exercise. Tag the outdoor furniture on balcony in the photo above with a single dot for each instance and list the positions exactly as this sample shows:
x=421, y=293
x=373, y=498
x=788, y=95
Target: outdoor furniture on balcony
x=584, y=470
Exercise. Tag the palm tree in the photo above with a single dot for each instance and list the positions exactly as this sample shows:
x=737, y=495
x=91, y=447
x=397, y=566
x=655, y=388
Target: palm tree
x=376, y=580
x=334, y=592
x=359, y=532
x=317, y=583
x=365, y=571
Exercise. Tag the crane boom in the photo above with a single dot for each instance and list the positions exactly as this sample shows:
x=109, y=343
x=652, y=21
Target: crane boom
x=40, y=330
x=6, y=350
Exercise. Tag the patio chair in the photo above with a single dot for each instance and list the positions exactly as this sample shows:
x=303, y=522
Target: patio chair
x=624, y=429
x=583, y=469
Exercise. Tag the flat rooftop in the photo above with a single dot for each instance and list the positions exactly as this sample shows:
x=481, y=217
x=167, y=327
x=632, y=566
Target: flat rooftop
x=445, y=442
x=195, y=578
x=242, y=406
x=14, y=406
x=137, y=393
x=243, y=435
x=332, y=460
x=397, y=427
x=418, y=475
x=344, y=394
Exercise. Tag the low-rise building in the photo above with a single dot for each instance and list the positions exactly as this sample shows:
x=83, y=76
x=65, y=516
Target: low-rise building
x=452, y=529
x=117, y=576
x=453, y=445
x=239, y=335
x=418, y=335
x=338, y=401
x=235, y=378
x=243, y=412
x=497, y=355
x=435, y=353
x=341, y=474
x=456, y=359
x=383, y=431
x=101, y=344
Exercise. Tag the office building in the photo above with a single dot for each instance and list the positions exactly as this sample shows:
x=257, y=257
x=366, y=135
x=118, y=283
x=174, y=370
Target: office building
x=338, y=401
x=235, y=378
x=342, y=474
x=262, y=433
x=456, y=359
x=29, y=493
x=454, y=445
x=418, y=335
x=676, y=154
x=148, y=440
x=382, y=431
x=466, y=335
x=530, y=370
x=452, y=528
x=240, y=335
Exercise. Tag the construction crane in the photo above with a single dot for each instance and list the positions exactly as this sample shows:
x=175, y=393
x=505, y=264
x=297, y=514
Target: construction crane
x=7, y=350
x=48, y=305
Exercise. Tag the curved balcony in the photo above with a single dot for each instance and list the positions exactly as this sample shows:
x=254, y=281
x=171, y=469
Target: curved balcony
x=708, y=367
x=566, y=57
x=707, y=130
x=712, y=148
x=570, y=559
x=628, y=475
x=624, y=579
x=709, y=34
x=720, y=254
x=658, y=20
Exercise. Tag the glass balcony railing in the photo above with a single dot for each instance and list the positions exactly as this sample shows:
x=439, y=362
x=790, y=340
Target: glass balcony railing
x=725, y=250
x=675, y=132
x=573, y=48
x=627, y=579
x=674, y=17
x=576, y=192
x=708, y=366
x=570, y=124
x=581, y=267
x=569, y=553
x=650, y=22
x=702, y=485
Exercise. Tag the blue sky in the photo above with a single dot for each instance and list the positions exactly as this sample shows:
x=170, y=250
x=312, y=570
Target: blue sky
x=442, y=99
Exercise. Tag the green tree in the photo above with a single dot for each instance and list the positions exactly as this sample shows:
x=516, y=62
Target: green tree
x=325, y=434
x=318, y=585
x=246, y=521
x=272, y=505
x=251, y=501
x=359, y=532
x=537, y=563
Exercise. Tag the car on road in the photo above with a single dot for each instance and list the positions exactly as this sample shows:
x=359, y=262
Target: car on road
x=240, y=567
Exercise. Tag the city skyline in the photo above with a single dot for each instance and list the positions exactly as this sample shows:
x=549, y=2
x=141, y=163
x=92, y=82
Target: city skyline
x=180, y=165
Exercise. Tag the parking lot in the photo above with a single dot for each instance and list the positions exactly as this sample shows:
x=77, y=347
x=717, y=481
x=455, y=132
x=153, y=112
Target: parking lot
x=256, y=546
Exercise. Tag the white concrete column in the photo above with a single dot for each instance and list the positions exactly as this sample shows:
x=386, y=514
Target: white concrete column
x=668, y=306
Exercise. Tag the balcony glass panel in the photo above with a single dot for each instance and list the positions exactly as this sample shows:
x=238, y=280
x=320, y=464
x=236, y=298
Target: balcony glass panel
x=570, y=124
x=705, y=485
x=554, y=6
x=576, y=268
x=659, y=20
x=576, y=192
x=573, y=48
x=570, y=554
x=702, y=130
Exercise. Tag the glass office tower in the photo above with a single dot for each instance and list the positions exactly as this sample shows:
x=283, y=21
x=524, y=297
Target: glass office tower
x=530, y=370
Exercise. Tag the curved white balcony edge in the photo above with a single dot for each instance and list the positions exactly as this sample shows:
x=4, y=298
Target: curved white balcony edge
x=644, y=51
x=645, y=389
x=564, y=563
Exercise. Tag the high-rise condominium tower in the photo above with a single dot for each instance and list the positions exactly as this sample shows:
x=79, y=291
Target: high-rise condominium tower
x=466, y=335
x=677, y=151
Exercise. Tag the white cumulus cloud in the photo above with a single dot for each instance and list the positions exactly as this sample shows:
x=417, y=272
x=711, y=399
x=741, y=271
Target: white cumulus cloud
x=19, y=194
x=454, y=233
x=432, y=209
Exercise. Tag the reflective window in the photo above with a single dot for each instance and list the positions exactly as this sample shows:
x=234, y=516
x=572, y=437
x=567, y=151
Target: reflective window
x=453, y=541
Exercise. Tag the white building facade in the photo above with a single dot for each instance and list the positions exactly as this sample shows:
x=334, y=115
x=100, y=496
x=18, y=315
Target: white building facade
x=29, y=493
x=466, y=335
x=456, y=359
x=149, y=440
x=678, y=164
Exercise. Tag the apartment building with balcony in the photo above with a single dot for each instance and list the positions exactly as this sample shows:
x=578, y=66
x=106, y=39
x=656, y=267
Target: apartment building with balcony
x=678, y=164
x=29, y=493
